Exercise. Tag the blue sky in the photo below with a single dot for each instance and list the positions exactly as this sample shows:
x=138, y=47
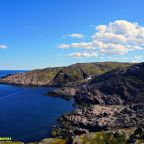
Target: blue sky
x=47, y=33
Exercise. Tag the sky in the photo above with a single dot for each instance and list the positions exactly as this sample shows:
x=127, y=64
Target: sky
x=48, y=33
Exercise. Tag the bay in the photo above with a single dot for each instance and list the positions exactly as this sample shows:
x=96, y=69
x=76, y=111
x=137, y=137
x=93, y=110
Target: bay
x=26, y=114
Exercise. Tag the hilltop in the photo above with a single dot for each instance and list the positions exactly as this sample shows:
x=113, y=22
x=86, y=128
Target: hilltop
x=76, y=73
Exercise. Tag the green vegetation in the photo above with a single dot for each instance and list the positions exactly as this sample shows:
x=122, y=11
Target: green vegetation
x=9, y=142
x=105, y=137
x=51, y=141
x=62, y=75
x=81, y=71
x=44, y=75
x=120, y=136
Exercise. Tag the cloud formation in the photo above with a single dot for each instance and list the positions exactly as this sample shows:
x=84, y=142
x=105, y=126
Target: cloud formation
x=77, y=35
x=118, y=37
x=84, y=45
x=3, y=46
x=83, y=54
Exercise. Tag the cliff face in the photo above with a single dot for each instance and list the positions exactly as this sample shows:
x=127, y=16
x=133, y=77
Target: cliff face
x=62, y=75
x=32, y=78
x=121, y=86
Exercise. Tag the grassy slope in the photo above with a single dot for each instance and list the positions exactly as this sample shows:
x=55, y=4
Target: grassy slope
x=62, y=75
x=103, y=137
x=81, y=71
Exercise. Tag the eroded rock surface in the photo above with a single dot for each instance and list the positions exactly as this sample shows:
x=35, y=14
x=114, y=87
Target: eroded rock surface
x=110, y=101
x=64, y=92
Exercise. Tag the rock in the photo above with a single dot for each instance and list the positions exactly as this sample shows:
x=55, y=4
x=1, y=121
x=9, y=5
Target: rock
x=97, y=117
x=64, y=92
x=131, y=141
x=110, y=101
x=138, y=130
x=76, y=140
x=39, y=77
x=117, y=87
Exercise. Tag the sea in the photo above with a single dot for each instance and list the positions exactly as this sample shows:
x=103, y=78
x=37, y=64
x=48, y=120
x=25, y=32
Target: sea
x=26, y=113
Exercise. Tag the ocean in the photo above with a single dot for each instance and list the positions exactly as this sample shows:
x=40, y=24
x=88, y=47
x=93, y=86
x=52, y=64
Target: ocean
x=26, y=114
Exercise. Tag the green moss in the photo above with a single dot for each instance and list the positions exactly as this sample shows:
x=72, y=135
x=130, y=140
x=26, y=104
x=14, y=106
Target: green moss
x=105, y=138
x=140, y=142
x=54, y=141
x=56, y=132
x=51, y=141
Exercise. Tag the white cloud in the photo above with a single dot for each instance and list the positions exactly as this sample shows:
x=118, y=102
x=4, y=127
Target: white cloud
x=83, y=54
x=3, y=46
x=64, y=46
x=84, y=45
x=77, y=35
x=118, y=37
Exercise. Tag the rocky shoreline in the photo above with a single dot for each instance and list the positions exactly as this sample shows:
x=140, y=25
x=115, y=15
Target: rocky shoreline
x=98, y=118
x=108, y=101
x=63, y=92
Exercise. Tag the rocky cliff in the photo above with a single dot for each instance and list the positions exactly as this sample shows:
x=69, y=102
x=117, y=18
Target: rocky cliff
x=77, y=73
x=38, y=77
x=119, y=86
x=110, y=101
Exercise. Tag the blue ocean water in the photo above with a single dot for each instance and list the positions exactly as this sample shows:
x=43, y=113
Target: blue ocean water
x=7, y=72
x=26, y=114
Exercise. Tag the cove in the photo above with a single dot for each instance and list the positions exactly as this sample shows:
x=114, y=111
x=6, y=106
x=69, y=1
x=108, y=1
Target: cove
x=27, y=115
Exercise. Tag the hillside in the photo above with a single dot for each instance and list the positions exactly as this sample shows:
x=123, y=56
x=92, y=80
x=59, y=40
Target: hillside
x=121, y=86
x=76, y=73
x=110, y=101
x=32, y=78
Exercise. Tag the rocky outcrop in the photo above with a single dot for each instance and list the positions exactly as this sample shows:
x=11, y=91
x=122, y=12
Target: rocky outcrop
x=121, y=86
x=110, y=101
x=64, y=92
x=42, y=77
x=77, y=73
x=119, y=136
x=97, y=118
